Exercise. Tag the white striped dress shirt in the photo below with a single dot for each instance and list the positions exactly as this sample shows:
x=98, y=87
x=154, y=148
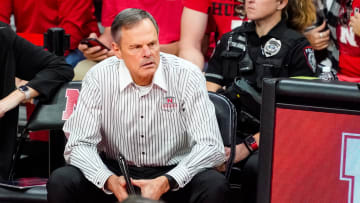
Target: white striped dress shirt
x=171, y=123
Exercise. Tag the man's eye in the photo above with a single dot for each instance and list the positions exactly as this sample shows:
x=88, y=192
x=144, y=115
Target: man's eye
x=135, y=47
x=152, y=44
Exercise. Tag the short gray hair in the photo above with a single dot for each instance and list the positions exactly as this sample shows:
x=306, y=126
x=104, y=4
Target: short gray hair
x=128, y=18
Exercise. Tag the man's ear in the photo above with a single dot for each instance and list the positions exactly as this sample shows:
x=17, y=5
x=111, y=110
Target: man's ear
x=117, y=50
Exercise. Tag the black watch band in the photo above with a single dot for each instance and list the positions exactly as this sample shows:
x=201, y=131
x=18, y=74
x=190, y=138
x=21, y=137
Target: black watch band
x=251, y=144
x=172, y=182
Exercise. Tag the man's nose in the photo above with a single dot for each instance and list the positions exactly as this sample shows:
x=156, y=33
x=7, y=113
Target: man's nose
x=146, y=51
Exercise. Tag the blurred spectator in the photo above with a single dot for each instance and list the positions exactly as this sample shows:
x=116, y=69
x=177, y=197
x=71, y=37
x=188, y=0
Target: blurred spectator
x=44, y=71
x=269, y=46
x=340, y=36
x=322, y=34
x=36, y=16
x=348, y=36
x=225, y=14
x=167, y=13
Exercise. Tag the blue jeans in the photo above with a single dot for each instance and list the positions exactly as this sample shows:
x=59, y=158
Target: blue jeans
x=74, y=57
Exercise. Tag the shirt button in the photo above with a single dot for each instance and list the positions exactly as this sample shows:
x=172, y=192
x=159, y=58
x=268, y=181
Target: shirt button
x=143, y=153
x=142, y=136
x=141, y=116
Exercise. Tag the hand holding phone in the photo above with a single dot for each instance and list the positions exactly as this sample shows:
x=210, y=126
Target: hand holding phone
x=91, y=42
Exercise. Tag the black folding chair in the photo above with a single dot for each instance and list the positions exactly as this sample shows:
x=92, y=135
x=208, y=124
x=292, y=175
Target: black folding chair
x=46, y=116
x=226, y=118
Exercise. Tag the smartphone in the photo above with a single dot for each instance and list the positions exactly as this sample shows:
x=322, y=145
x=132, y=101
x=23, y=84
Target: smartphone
x=91, y=42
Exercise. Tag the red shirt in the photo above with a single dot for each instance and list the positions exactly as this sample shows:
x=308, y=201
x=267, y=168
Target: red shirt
x=224, y=13
x=167, y=14
x=36, y=16
x=349, y=48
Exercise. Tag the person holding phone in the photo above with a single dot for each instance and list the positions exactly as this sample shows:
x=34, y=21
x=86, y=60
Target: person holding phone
x=167, y=13
x=37, y=16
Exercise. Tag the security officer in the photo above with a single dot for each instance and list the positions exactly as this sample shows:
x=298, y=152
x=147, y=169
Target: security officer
x=240, y=62
x=243, y=56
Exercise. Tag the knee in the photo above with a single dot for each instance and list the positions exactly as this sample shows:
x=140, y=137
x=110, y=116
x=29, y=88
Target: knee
x=219, y=183
x=62, y=179
x=214, y=183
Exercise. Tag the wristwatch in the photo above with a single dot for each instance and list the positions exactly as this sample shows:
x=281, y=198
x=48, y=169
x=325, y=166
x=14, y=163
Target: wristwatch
x=251, y=144
x=24, y=89
x=172, y=182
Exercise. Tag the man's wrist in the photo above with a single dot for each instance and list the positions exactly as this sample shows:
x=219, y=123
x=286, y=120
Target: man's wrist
x=173, y=185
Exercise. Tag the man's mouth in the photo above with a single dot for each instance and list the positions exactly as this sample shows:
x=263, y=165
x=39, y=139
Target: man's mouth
x=150, y=63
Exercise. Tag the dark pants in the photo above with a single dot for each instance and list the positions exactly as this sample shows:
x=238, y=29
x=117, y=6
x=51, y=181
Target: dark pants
x=68, y=184
x=248, y=179
x=8, y=134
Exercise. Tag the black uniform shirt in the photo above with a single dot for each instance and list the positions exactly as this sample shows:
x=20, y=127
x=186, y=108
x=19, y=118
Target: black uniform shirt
x=295, y=57
x=45, y=72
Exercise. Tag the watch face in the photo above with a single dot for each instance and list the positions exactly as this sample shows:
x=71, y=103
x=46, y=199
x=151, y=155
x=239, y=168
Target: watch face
x=23, y=88
x=250, y=140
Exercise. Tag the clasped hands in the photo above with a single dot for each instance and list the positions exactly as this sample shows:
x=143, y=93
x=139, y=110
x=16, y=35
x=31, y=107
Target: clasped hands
x=150, y=188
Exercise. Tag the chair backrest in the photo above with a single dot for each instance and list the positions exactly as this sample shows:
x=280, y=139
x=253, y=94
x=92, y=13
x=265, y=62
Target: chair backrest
x=226, y=118
x=53, y=114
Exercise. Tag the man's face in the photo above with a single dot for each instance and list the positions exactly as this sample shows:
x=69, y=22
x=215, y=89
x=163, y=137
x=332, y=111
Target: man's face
x=139, y=48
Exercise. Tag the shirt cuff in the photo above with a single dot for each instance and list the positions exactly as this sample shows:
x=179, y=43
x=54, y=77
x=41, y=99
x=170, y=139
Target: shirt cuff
x=181, y=175
x=101, y=178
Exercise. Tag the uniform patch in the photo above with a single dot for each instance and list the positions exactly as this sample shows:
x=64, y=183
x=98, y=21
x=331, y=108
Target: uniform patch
x=272, y=47
x=310, y=58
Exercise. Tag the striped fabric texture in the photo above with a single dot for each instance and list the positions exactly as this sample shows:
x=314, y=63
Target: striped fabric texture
x=171, y=123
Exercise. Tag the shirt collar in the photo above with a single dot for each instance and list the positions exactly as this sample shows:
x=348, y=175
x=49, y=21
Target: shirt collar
x=126, y=79
x=124, y=75
x=277, y=31
x=159, y=77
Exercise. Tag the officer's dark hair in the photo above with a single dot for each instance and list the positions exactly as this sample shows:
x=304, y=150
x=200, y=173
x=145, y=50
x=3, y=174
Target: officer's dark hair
x=127, y=19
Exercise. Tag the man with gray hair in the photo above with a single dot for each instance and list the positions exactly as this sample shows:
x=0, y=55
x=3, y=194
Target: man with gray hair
x=153, y=108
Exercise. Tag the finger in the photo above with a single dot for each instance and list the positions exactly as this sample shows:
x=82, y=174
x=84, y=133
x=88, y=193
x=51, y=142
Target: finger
x=320, y=27
x=82, y=47
x=122, y=181
x=138, y=183
x=323, y=46
x=320, y=41
x=100, y=58
x=93, y=35
x=323, y=40
x=110, y=53
x=325, y=33
x=121, y=194
x=96, y=55
x=92, y=50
